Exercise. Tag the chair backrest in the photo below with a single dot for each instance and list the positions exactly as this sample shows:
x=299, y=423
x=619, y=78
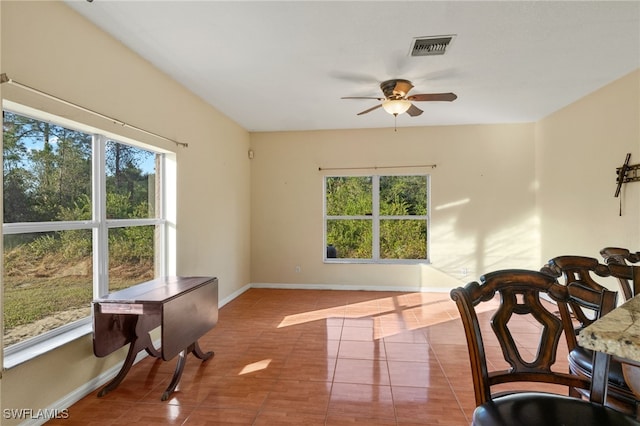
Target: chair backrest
x=580, y=270
x=576, y=269
x=522, y=292
x=619, y=255
x=587, y=269
x=629, y=282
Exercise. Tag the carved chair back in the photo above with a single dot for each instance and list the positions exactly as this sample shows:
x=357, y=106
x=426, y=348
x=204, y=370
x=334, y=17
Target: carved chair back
x=587, y=272
x=628, y=278
x=522, y=292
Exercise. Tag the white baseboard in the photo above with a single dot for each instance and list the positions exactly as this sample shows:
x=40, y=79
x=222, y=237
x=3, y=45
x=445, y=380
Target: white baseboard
x=233, y=295
x=352, y=287
x=84, y=390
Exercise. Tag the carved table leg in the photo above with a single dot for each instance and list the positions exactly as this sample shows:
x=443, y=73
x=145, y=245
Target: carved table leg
x=182, y=358
x=128, y=362
x=151, y=350
x=193, y=348
x=142, y=340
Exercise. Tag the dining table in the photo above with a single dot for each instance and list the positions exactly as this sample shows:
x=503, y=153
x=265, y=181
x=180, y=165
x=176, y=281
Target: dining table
x=616, y=334
x=184, y=308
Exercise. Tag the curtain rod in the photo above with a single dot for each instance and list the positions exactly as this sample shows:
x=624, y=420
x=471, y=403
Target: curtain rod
x=433, y=166
x=5, y=79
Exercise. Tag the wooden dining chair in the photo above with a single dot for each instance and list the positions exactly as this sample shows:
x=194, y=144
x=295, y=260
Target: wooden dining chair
x=522, y=295
x=588, y=271
x=619, y=255
x=629, y=284
x=623, y=261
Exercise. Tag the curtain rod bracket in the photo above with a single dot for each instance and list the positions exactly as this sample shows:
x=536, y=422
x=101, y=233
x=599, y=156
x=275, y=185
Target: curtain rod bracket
x=5, y=79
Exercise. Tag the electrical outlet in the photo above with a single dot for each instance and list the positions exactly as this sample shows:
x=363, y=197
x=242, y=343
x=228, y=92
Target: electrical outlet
x=298, y=268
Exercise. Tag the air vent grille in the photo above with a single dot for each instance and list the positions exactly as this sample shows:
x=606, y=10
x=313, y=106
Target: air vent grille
x=429, y=46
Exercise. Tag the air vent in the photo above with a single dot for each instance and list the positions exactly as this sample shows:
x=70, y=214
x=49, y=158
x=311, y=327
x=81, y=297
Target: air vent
x=429, y=46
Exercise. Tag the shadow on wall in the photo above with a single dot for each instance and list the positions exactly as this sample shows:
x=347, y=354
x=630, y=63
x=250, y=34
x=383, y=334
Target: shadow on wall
x=471, y=238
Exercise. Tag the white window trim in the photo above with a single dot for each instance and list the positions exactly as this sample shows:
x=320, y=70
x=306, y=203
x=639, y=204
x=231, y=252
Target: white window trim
x=375, y=218
x=38, y=345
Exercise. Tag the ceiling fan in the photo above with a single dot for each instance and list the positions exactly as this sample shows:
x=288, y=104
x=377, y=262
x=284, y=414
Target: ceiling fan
x=396, y=101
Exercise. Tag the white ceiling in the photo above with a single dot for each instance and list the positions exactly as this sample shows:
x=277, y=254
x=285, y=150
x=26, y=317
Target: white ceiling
x=274, y=66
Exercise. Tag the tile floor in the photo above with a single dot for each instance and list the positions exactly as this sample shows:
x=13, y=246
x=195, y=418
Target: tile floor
x=309, y=357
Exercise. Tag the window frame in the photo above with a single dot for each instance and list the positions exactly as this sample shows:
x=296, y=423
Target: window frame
x=376, y=218
x=99, y=225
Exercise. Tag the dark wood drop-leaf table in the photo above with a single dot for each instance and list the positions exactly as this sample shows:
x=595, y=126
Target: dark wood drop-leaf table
x=185, y=308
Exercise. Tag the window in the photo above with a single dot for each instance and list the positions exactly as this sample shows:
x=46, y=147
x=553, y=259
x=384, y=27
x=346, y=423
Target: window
x=82, y=217
x=376, y=218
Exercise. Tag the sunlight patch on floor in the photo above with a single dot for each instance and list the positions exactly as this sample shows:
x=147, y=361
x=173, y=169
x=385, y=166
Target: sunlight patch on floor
x=389, y=315
x=255, y=366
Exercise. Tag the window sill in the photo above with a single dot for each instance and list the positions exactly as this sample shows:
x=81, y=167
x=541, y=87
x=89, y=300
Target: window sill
x=21, y=354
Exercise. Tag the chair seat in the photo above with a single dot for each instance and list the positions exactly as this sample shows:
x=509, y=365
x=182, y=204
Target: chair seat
x=583, y=358
x=542, y=409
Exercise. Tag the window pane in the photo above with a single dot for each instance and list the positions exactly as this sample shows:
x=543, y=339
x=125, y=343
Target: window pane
x=46, y=170
x=403, y=239
x=351, y=238
x=131, y=256
x=348, y=196
x=131, y=181
x=47, y=282
x=403, y=195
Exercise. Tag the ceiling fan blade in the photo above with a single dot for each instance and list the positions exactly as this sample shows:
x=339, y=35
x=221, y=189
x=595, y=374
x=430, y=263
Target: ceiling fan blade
x=370, y=109
x=448, y=97
x=362, y=97
x=414, y=111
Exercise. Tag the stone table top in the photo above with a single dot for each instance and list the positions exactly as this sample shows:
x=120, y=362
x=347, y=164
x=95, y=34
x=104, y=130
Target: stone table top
x=617, y=333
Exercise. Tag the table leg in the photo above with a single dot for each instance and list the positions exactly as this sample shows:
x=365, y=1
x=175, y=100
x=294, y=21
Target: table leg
x=141, y=340
x=134, y=348
x=151, y=350
x=182, y=359
x=193, y=348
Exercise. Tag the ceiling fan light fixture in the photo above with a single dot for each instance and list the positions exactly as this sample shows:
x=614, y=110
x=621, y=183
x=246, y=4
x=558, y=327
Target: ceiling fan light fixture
x=396, y=106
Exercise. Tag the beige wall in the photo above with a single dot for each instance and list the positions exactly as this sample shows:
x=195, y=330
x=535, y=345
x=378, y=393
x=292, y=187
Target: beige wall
x=502, y=195
x=577, y=152
x=483, y=202
x=48, y=46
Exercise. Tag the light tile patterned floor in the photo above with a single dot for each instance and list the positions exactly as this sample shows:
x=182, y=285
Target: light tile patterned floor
x=309, y=357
